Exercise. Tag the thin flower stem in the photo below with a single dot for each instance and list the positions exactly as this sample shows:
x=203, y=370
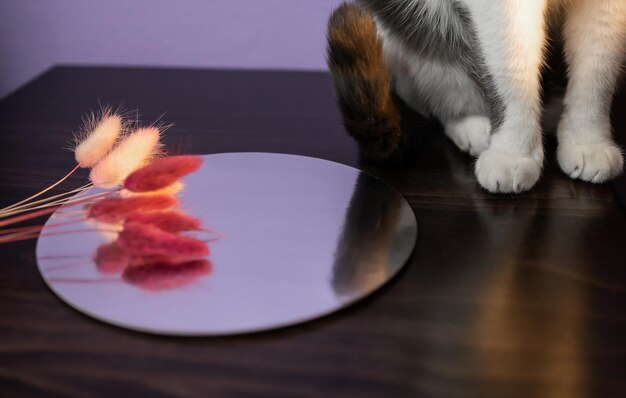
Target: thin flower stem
x=9, y=231
x=72, y=201
x=36, y=228
x=78, y=280
x=17, y=237
x=63, y=256
x=43, y=191
x=57, y=203
x=63, y=214
x=31, y=235
x=55, y=198
x=73, y=231
x=43, y=212
x=61, y=267
x=28, y=216
x=58, y=196
x=16, y=212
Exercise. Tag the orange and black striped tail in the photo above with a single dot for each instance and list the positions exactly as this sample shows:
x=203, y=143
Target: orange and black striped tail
x=362, y=82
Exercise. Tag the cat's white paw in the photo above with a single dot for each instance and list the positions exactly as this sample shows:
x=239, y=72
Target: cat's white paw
x=501, y=172
x=594, y=162
x=471, y=134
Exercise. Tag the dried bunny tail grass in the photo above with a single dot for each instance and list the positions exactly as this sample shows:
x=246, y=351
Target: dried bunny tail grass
x=143, y=239
x=173, y=189
x=160, y=276
x=171, y=221
x=99, y=142
x=111, y=258
x=98, y=134
x=131, y=153
x=162, y=173
x=114, y=210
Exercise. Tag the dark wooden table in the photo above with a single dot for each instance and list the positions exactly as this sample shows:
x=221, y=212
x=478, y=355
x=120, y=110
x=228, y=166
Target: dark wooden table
x=505, y=296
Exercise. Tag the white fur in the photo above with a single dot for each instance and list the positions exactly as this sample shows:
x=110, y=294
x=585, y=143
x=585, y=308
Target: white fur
x=471, y=134
x=511, y=35
x=595, y=37
x=444, y=90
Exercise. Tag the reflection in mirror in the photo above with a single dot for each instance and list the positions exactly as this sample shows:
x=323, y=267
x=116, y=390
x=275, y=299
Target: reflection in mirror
x=149, y=241
x=376, y=229
x=259, y=239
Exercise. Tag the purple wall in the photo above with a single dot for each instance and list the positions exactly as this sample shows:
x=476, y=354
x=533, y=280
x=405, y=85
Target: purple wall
x=283, y=34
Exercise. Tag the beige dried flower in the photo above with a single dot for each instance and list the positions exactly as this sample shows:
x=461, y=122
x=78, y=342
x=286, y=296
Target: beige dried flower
x=131, y=153
x=98, y=137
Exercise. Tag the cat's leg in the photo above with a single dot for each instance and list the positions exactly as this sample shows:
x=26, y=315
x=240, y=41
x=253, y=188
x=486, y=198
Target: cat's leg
x=446, y=92
x=510, y=36
x=443, y=89
x=470, y=133
x=595, y=38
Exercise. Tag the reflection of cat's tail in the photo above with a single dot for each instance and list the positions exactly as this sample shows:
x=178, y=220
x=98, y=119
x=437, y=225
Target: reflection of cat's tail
x=362, y=81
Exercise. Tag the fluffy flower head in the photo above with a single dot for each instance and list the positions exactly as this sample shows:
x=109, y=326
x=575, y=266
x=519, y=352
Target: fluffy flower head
x=98, y=138
x=131, y=153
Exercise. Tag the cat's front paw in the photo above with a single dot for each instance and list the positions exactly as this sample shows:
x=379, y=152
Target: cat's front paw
x=471, y=134
x=594, y=162
x=502, y=172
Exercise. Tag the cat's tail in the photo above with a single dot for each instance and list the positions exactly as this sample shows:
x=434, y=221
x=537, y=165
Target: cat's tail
x=362, y=82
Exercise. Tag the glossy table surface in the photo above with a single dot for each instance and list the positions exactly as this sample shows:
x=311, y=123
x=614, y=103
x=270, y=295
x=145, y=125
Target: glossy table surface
x=504, y=296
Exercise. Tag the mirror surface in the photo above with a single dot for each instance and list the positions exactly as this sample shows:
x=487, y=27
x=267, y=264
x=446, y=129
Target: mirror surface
x=291, y=238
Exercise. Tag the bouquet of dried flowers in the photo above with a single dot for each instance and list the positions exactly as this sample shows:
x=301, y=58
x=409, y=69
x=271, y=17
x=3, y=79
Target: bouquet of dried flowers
x=139, y=206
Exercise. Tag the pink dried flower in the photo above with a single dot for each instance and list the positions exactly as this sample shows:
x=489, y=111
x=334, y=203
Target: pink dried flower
x=113, y=210
x=143, y=239
x=160, y=276
x=170, y=221
x=111, y=258
x=162, y=173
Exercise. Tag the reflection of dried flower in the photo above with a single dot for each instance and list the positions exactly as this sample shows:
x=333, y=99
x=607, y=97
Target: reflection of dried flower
x=147, y=259
x=162, y=173
x=98, y=141
x=133, y=152
x=171, y=221
x=160, y=276
x=111, y=258
x=116, y=209
x=144, y=239
x=172, y=189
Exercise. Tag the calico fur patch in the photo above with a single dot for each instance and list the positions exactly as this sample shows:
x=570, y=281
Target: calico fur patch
x=362, y=82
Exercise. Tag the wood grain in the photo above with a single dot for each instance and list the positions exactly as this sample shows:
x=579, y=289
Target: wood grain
x=504, y=296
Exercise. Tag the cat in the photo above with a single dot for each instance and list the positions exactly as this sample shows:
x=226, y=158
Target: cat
x=475, y=65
